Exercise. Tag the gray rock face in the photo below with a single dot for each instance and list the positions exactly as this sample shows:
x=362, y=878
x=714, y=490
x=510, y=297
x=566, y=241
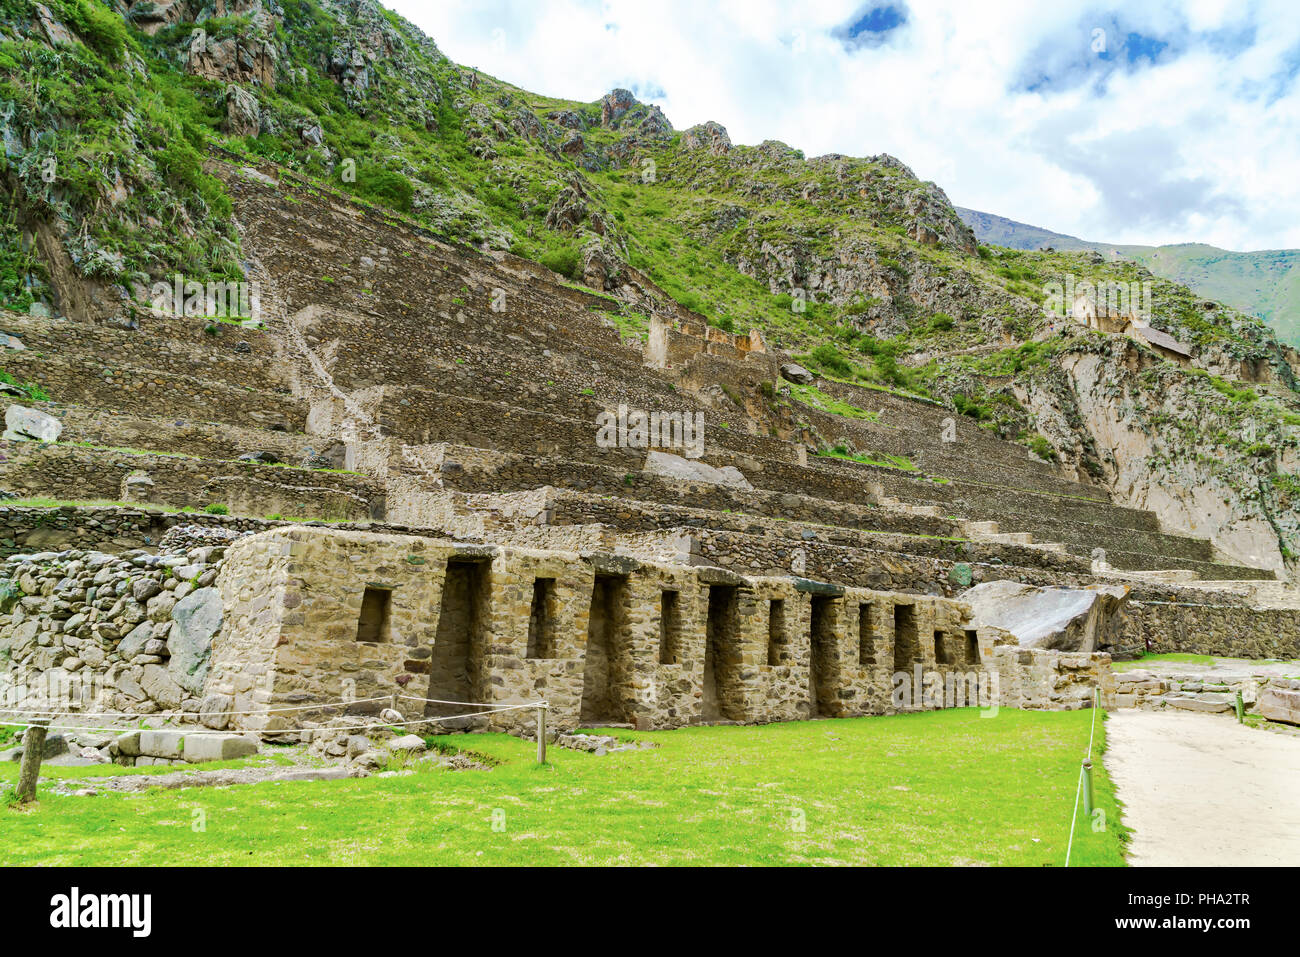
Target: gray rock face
x=1063, y=619
x=197, y=619
x=1279, y=704
x=243, y=114
x=22, y=423
x=793, y=372
x=686, y=470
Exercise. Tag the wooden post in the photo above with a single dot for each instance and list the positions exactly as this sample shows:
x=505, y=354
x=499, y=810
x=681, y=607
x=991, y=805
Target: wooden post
x=33, y=749
x=541, y=733
x=1087, y=787
x=1241, y=708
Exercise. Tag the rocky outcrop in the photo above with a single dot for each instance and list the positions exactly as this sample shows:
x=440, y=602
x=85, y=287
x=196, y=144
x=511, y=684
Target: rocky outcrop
x=243, y=114
x=249, y=60
x=709, y=136
x=1169, y=443
x=1063, y=619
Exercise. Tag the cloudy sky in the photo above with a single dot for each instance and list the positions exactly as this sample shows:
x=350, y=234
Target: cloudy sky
x=1135, y=122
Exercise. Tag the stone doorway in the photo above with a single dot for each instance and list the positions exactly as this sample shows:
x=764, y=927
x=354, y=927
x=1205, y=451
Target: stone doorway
x=823, y=670
x=606, y=664
x=456, y=662
x=722, y=685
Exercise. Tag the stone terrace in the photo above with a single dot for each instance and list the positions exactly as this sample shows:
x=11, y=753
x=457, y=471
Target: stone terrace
x=384, y=381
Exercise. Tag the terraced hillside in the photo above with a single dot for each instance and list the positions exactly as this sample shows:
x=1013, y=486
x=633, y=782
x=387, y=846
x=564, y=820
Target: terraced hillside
x=864, y=274
x=449, y=385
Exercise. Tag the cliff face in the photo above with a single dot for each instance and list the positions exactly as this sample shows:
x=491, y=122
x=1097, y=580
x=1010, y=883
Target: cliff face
x=854, y=265
x=1204, y=463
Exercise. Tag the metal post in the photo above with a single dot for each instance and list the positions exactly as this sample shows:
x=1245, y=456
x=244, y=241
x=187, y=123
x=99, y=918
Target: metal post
x=1087, y=787
x=33, y=750
x=541, y=733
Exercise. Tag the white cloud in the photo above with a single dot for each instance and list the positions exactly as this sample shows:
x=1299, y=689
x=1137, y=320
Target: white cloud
x=1199, y=147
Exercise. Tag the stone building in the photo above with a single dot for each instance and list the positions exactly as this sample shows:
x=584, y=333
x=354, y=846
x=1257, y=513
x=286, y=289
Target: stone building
x=318, y=616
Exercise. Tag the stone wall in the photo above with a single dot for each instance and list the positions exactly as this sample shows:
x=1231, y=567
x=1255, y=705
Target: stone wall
x=75, y=473
x=602, y=638
x=91, y=632
x=1213, y=627
x=1041, y=679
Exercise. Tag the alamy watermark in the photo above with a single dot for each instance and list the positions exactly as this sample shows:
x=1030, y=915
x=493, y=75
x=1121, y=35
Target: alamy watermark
x=638, y=429
x=216, y=300
x=1083, y=299
x=918, y=688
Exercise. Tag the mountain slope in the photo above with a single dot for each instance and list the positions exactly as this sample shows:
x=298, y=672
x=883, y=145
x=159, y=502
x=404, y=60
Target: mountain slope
x=1264, y=283
x=852, y=264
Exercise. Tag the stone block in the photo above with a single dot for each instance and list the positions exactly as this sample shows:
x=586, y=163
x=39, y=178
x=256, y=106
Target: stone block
x=218, y=747
x=161, y=744
x=1279, y=704
x=1207, y=701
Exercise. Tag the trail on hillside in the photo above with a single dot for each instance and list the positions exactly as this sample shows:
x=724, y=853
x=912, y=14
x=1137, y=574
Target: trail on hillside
x=1200, y=789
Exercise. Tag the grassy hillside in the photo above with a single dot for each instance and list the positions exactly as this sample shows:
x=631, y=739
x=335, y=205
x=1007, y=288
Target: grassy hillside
x=1264, y=283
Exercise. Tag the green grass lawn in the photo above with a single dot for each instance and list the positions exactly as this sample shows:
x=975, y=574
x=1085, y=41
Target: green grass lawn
x=1184, y=658
x=944, y=788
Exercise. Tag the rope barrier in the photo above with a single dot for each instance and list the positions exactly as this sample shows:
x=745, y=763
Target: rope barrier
x=427, y=719
x=1078, y=789
x=122, y=714
x=489, y=708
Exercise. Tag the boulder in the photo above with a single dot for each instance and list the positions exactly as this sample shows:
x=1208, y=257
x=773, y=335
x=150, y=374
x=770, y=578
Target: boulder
x=55, y=745
x=197, y=619
x=261, y=458
x=793, y=372
x=22, y=423
x=214, y=711
x=1279, y=704
x=159, y=686
x=1062, y=619
x=408, y=742
x=133, y=644
x=686, y=470
x=243, y=114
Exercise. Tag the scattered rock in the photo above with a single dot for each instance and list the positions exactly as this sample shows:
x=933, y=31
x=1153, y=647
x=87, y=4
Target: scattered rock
x=22, y=423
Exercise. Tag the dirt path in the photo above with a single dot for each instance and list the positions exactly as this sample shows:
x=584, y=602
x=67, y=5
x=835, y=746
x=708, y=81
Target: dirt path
x=1202, y=789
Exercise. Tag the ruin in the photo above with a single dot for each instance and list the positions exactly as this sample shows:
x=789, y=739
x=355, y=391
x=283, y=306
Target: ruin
x=421, y=515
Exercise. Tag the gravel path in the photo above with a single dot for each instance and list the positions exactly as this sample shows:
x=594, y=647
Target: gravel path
x=1200, y=789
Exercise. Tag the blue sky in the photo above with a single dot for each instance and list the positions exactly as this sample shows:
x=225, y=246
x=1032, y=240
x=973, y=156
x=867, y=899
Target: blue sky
x=1148, y=122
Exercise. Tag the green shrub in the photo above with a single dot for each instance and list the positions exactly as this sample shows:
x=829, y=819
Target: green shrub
x=98, y=27
x=567, y=262
x=1042, y=448
x=828, y=358
x=384, y=186
x=217, y=508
